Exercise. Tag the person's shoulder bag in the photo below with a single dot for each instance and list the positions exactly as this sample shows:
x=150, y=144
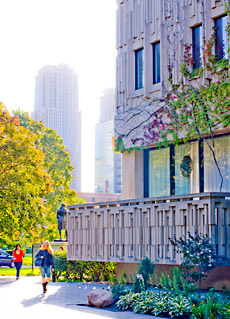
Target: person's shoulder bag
x=38, y=261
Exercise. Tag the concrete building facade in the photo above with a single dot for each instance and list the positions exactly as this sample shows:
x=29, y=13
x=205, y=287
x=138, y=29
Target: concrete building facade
x=150, y=34
x=107, y=162
x=56, y=105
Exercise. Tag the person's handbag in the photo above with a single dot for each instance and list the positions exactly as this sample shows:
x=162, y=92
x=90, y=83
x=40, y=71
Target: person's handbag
x=38, y=262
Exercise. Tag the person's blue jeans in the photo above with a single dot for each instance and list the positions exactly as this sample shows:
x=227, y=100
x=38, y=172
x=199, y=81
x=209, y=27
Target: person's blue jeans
x=45, y=271
x=18, y=265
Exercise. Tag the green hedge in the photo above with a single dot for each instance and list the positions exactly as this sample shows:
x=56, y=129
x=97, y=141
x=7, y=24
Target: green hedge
x=83, y=270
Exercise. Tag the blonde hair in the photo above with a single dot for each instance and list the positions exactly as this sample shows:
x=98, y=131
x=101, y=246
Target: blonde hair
x=50, y=250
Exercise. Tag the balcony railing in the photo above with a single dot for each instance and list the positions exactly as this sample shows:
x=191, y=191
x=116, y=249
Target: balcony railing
x=129, y=230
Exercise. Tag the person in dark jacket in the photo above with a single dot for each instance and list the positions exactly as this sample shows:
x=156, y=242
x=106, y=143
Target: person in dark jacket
x=61, y=215
x=46, y=254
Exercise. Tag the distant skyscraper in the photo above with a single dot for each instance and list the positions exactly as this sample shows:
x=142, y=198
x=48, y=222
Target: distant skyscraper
x=56, y=105
x=107, y=162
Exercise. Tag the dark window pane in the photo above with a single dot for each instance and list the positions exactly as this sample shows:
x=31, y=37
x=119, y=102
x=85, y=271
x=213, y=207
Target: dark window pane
x=139, y=68
x=156, y=63
x=221, y=48
x=197, y=46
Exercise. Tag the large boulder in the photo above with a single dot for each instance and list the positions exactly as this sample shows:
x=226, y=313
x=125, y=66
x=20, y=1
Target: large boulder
x=100, y=298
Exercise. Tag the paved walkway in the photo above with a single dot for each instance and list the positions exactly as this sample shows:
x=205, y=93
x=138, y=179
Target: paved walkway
x=23, y=299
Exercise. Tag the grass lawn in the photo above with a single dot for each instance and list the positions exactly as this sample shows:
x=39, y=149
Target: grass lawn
x=27, y=260
x=23, y=272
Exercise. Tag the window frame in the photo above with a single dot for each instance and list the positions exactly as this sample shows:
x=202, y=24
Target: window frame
x=197, y=49
x=139, y=68
x=220, y=52
x=172, y=169
x=156, y=62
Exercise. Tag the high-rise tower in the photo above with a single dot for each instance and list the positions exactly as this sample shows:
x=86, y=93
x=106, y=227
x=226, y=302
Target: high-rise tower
x=107, y=162
x=56, y=105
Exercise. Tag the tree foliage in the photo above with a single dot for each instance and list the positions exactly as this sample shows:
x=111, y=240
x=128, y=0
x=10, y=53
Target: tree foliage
x=23, y=182
x=57, y=163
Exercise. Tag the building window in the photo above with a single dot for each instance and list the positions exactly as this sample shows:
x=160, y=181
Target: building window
x=156, y=63
x=189, y=169
x=159, y=172
x=212, y=179
x=197, y=46
x=186, y=168
x=139, y=69
x=221, y=47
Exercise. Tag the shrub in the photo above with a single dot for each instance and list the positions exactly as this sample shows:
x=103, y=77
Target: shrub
x=77, y=270
x=141, y=280
x=128, y=301
x=212, y=306
x=120, y=286
x=146, y=269
x=91, y=270
x=139, y=284
x=174, y=281
x=208, y=309
x=123, y=278
x=120, y=290
x=60, y=263
x=198, y=254
x=175, y=305
x=164, y=304
x=82, y=270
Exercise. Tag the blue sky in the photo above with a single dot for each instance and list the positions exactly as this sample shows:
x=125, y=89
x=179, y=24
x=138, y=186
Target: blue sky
x=79, y=33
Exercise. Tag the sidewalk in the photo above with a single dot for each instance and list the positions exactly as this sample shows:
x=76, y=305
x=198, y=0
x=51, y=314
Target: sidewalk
x=24, y=299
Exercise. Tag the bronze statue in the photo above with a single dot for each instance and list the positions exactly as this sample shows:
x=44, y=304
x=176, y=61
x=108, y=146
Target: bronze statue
x=61, y=216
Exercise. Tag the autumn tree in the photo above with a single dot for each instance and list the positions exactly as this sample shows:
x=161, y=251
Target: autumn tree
x=57, y=164
x=23, y=182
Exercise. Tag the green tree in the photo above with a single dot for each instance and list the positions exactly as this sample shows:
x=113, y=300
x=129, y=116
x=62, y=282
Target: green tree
x=57, y=164
x=23, y=182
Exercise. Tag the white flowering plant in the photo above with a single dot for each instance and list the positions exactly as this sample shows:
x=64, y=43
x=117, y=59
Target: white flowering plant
x=198, y=256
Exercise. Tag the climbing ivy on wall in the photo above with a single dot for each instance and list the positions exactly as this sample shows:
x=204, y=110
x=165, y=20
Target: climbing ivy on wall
x=193, y=108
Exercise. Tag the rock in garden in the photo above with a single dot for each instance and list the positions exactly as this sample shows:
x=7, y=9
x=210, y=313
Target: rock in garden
x=100, y=298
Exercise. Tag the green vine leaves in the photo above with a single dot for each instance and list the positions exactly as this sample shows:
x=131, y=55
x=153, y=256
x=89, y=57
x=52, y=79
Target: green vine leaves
x=194, y=108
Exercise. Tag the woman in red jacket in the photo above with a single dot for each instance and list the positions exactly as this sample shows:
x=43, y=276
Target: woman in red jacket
x=18, y=255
